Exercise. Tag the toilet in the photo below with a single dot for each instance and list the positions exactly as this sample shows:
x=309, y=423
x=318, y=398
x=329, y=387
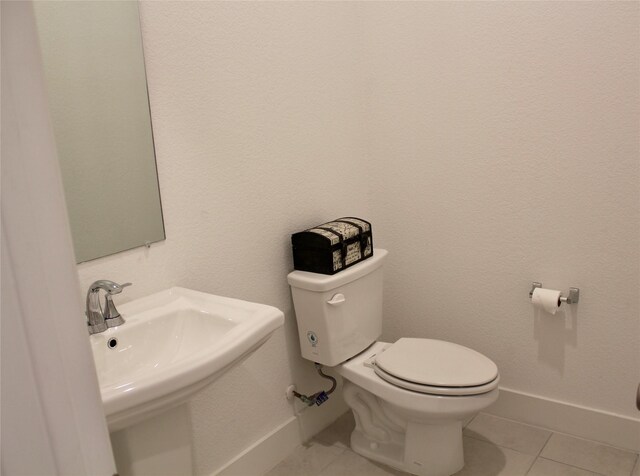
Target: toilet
x=409, y=398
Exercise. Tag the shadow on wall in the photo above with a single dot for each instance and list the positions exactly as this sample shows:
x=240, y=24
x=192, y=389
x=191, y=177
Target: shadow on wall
x=554, y=332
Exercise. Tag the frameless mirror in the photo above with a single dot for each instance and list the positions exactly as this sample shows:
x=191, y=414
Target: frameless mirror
x=96, y=83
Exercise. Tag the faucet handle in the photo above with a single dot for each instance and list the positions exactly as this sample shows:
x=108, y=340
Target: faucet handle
x=112, y=317
x=110, y=287
x=116, y=290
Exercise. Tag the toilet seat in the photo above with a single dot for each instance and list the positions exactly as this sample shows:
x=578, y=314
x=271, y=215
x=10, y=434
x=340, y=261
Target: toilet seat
x=436, y=367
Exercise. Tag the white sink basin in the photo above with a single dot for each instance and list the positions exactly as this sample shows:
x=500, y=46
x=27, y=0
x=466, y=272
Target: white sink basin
x=172, y=344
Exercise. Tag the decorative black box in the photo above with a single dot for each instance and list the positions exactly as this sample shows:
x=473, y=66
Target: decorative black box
x=333, y=246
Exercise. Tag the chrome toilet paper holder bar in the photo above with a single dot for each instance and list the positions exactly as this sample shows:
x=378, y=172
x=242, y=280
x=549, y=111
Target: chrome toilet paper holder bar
x=572, y=298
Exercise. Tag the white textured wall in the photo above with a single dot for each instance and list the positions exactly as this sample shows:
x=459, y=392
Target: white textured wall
x=257, y=116
x=492, y=144
x=506, y=141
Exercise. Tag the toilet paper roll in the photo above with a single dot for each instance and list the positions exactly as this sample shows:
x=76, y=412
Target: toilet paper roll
x=547, y=299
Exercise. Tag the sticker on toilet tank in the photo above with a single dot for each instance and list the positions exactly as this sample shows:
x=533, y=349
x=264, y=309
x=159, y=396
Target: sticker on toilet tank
x=313, y=338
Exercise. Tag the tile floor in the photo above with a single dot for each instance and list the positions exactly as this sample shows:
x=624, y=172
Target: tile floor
x=493, y=446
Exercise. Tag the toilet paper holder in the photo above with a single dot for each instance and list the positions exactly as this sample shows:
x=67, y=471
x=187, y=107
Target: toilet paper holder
x=572, y=298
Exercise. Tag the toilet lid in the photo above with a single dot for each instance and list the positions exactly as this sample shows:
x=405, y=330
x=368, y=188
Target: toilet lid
x=436, y=363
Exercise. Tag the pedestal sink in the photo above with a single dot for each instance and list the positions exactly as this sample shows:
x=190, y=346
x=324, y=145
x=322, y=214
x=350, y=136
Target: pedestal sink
x=172, y=344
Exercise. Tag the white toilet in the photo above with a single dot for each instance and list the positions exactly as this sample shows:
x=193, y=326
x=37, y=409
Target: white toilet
x=409, y=398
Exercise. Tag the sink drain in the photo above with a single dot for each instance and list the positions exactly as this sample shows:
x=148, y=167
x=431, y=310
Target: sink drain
x=112, y=343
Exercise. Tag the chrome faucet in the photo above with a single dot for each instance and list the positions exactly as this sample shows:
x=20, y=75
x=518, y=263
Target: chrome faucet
x=99, y=319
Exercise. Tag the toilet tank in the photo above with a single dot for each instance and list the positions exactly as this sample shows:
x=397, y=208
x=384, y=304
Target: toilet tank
x=338, y=315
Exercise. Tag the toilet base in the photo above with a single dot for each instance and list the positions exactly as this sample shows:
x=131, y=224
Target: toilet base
x=418, y=433
x=427, y=450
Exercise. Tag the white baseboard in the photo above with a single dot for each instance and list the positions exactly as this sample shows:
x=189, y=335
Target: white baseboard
x=265, y=453
x=589, y=423
x=272, y=448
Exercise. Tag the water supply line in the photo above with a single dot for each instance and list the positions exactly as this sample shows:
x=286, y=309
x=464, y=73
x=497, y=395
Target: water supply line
x=320, y=397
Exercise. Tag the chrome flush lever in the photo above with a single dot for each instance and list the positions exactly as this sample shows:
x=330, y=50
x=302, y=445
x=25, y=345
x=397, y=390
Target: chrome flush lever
x=337, y=299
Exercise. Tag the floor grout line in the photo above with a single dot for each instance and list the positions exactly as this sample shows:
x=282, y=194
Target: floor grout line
x=531, y=465
x=478, y=439
x=545, y=444
x=635, y=464
x=573, y=465
x=471, y=421
x=627, y=450
x=540, y=452
x=523, y=423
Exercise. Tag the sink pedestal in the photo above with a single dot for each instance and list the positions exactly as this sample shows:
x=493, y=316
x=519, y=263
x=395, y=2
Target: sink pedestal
x=158, y=445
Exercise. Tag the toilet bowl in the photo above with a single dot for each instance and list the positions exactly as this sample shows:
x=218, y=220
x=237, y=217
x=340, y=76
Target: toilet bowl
x=410, y=430
x=409, y=398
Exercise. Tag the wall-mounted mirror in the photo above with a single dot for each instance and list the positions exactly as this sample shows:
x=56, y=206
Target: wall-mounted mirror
x=97, y=88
